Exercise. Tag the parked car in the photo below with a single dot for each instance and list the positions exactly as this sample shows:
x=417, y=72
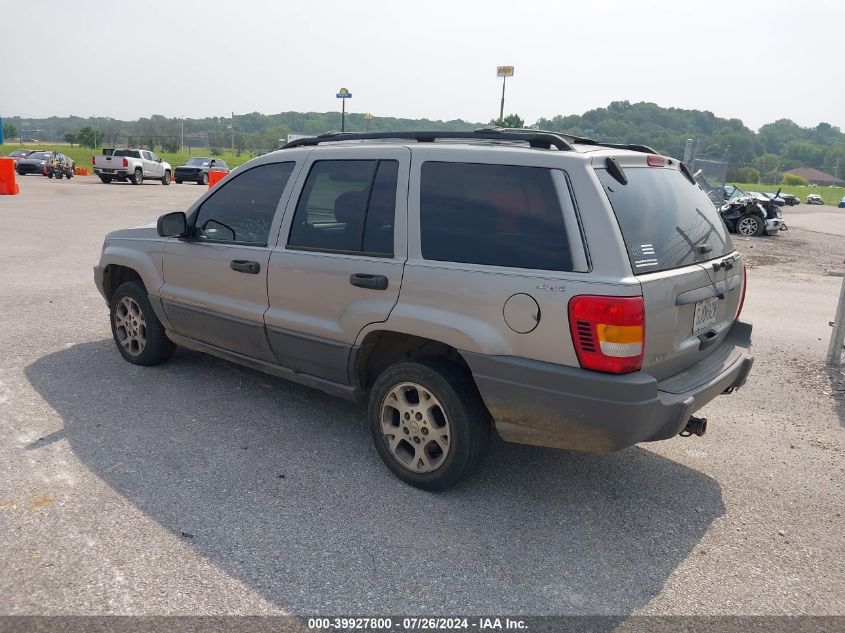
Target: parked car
x=842, y=203
x=36, y=162
x=791, y=200
x=18, y=154
x=196, y=170
x=814, y=198
x=134, y=165
x=455, y=287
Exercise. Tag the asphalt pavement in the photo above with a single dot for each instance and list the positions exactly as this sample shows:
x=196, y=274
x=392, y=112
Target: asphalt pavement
x=199, y=487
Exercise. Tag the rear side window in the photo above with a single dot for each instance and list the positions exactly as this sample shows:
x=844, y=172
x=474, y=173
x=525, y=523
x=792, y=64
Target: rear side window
x=498, y=215
x=347, y=206
x=666, y=221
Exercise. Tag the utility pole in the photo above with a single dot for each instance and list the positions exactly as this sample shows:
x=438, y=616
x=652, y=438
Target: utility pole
x=182, y=137
x=836, y=171
x=232, y=126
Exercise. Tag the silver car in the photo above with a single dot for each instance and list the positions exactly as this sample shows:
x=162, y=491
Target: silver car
x=549, y=289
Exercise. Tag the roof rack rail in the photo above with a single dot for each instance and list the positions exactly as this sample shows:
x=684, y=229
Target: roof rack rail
x=539, y=140
x=581, y=140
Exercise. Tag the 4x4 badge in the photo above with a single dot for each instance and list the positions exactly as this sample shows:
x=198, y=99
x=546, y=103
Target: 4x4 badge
x=550, y=288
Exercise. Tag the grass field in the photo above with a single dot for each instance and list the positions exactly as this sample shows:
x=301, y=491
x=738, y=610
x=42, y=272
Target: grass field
x=830, y=195
x=82, y=155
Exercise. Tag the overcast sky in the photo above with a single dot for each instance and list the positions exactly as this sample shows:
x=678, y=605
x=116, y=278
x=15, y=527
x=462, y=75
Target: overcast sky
x=757, y=61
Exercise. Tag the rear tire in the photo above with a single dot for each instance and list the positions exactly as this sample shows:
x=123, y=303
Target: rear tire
x=434, y=446
x=49, y=174
x=178, y=182
x=137, y=177
x=59, y=175
x=165, y=180
x=137, y=332
x=105, y=179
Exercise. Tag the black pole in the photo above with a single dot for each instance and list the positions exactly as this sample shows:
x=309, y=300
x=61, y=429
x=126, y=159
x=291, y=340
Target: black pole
x=343, y=116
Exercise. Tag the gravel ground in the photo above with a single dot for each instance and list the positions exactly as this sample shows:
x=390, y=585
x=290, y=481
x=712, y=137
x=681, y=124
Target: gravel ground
x=199, y=487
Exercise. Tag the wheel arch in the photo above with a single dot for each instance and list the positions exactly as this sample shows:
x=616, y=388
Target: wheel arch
x=379, y=349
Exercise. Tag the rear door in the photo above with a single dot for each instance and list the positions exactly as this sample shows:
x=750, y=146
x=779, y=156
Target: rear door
x=339, y=263
x=682, y=254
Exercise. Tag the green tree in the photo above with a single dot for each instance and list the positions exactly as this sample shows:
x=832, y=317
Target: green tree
x=70, y=137
x=512, y=120
x=10, y=131
x=88, y=136
x=795, y=181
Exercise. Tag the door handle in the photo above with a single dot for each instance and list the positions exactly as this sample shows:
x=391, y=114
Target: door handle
x=363, y=280
x=245, y=266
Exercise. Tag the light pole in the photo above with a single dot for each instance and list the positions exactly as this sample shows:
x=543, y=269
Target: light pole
x=504, y=72
x=343, y=94
x=368, y=116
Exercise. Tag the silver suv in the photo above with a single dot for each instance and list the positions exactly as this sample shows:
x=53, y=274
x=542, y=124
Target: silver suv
x=560, y=292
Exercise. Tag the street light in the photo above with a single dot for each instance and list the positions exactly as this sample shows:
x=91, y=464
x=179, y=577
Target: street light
x=504, y=72
x=343, y=94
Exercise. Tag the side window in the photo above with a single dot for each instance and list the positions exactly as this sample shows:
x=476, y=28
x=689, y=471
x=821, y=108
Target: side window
x=242, y=210
x=221, y=164
x=498, y=215
x=153, y=156
x=347, y=206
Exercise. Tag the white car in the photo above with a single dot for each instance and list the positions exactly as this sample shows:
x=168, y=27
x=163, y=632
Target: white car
x=814, y=198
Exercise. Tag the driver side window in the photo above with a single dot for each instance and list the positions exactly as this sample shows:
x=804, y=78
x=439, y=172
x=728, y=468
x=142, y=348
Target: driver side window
x=242, y=210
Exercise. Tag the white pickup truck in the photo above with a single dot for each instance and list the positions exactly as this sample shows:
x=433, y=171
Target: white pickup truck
x=134, y=165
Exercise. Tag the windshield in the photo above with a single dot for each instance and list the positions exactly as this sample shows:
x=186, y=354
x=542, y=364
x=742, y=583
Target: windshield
x=199, y=162
x=666, y=221
x=129, y=153
x=40, y=155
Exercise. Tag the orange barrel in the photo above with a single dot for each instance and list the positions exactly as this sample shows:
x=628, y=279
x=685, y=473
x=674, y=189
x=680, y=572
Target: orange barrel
x=215, y=177
x=8, y=184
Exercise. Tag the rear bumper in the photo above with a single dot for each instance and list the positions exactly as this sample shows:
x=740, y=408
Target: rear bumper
x=551, y=405
x=115, y=173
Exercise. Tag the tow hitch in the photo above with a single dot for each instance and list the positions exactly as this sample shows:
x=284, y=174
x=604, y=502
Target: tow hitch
x=695, y=426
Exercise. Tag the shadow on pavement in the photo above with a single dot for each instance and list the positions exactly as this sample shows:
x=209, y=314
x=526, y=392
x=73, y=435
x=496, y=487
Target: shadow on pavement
x=280, y=487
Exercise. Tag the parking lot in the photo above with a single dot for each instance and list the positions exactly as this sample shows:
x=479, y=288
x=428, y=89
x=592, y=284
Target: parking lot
x=199, y=487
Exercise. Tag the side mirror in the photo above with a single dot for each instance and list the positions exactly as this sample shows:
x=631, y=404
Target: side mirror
x=159, y=160
x=172, y=224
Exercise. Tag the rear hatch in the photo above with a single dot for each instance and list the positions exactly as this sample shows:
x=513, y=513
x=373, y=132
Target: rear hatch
x=681, y=253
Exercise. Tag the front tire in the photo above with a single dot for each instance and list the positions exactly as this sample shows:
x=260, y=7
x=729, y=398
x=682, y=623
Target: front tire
x=165, y=180
x=428, y=422
x=203, y=179
x=137, y=332
x=137, y=177
x=750, y=225
x=59, y=175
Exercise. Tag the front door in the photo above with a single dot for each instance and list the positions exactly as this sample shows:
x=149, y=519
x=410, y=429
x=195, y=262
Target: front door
x=338, y=266
x=215, y=282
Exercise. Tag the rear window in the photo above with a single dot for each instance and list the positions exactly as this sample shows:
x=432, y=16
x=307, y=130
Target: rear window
x=666, y=221
x=129, y=153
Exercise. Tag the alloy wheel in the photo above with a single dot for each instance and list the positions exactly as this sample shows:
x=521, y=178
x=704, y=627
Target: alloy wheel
x=415, y=427
x=130, y=326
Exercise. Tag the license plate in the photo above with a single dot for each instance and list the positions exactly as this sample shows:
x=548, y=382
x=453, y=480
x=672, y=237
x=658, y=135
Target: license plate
x=109, y=170
x=705, y=314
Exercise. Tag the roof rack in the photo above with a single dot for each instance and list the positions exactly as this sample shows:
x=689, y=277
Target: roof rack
x=580, y=140
x=539, y=140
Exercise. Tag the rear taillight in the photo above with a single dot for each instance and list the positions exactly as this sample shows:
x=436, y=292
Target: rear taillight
x=126, y=162
x=92, y=161
x=744, y=286
x=608, y=332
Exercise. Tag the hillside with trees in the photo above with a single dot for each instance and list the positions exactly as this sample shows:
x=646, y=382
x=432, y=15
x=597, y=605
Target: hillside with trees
x=774, y=148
